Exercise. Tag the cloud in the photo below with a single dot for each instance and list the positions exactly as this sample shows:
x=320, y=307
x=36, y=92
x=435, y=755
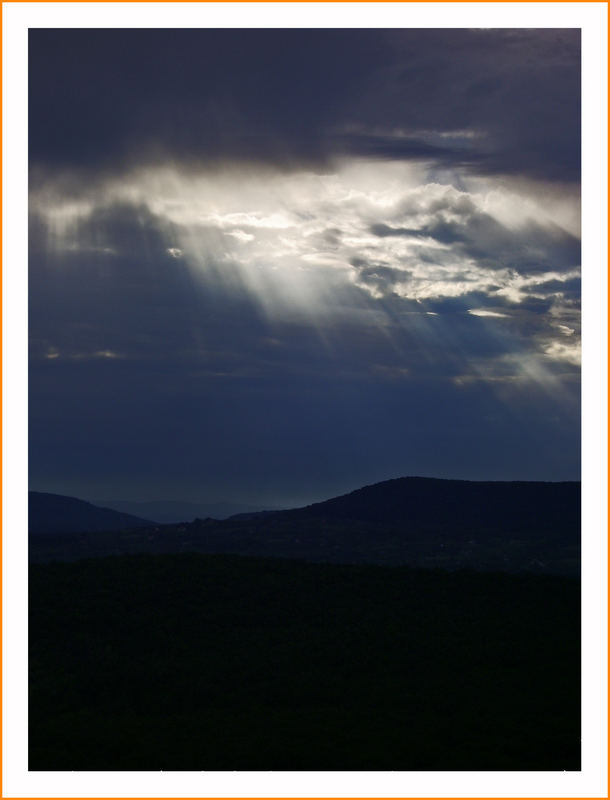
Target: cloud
x=454, y=220
x=361, y=247
x=482, y=312
x=487, y=101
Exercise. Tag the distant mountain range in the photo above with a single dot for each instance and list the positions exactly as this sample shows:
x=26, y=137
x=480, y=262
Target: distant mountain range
x=168, y=511
x=55, y=513
x=424, y=522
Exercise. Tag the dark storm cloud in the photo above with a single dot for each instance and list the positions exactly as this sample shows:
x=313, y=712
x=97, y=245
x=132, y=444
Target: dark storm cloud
x=409, y=148
x=495, y=101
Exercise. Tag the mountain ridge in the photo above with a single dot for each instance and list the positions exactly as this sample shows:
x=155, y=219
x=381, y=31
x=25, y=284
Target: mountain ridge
x=57, y=513
x=423, y=522
x=173, y=511
x=419, y=500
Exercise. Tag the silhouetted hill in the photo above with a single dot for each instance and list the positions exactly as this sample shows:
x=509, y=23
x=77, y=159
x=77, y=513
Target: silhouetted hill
x=56, y=513
x=456, y=505
x=421, y=522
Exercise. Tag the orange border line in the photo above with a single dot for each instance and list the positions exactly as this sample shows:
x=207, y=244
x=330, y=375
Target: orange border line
x=405, y=2
x=1, y=410
x=608, y=409
x=320, y=2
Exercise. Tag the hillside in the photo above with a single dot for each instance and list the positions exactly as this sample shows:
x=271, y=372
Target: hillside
x=225, y=663
x=456, y=505
x=416, y=521
x=54, y=513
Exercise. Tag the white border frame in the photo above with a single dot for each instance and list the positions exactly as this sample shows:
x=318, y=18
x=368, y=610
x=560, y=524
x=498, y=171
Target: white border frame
x=591, y=782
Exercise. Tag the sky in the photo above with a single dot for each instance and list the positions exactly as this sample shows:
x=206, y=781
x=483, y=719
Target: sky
x=272, y=266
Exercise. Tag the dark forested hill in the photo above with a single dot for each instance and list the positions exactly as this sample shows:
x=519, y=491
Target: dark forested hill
x=54, y=513
x=457, y=505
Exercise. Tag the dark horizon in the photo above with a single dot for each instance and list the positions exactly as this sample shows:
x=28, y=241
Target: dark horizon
x=515, y=526
x=227, y=501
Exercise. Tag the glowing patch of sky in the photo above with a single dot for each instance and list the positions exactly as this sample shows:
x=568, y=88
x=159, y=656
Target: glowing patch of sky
x=300, y=241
